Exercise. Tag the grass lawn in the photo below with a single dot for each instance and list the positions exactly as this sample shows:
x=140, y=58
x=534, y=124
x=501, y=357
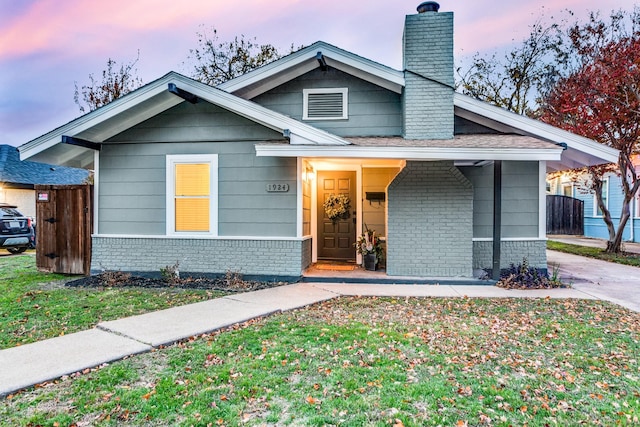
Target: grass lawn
x=367, y=361
x=36, y=306
x=623, y=258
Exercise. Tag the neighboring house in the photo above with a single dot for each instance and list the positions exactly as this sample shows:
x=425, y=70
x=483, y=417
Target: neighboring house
x=233, y=178
x=572, y=185
x=17, y=179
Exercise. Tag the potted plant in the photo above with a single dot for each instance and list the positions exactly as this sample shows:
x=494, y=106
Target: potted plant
x=369, y=246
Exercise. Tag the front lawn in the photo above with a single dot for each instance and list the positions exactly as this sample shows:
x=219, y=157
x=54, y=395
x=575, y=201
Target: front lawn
x=36, y=306
x=627, y=258
x=367, y=361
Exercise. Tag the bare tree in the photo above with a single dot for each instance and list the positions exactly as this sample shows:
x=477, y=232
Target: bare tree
x=516, y=81
x=217, y=61
x=116, y=82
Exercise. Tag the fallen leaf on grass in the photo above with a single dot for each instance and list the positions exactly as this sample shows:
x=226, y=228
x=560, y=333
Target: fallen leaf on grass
x=465, y=391
x=312, y=400
x=148, y=395
x=484, y=419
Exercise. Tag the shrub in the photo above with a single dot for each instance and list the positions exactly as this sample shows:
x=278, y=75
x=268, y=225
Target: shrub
x=171, y=273
x=112, y=278
x=234, y=280
x=523, y=276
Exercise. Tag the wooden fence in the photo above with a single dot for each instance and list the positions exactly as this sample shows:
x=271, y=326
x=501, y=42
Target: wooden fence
x=565, y=215
x=63, y=232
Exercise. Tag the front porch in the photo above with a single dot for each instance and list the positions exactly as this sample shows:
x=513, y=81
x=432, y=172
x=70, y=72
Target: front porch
x=423, y=210
x=351, y=273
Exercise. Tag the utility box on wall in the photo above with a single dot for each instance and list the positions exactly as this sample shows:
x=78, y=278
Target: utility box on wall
x=63, y=229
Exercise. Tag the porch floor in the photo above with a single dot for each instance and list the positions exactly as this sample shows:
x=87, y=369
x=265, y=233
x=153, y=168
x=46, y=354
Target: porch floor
x=349, y=272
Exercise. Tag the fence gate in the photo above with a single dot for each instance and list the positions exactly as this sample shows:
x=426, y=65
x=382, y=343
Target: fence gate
x=63, y=228
x=565, y=215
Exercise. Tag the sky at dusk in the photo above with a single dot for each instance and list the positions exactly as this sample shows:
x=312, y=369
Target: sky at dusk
x=47, y=45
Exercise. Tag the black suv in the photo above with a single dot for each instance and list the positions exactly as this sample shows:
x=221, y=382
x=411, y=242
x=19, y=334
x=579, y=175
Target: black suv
x=16, y=230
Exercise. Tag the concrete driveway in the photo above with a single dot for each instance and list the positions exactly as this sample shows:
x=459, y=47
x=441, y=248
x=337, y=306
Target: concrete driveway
x=617, y=283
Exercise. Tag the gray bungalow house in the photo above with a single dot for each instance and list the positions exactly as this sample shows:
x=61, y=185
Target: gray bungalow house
x=233, y=178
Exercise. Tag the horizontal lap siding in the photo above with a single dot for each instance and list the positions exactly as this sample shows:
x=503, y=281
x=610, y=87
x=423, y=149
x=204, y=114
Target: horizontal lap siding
x=374, y=212
x=594, y=226
x=520, y=193
x=373, y=111
x=467, y=127
x=132, y=176
x=195, y=122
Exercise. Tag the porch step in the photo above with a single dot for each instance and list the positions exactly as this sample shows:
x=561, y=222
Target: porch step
x=398, y=281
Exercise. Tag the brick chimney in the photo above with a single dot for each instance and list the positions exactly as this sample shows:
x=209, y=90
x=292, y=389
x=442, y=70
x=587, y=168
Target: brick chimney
x=428, y=68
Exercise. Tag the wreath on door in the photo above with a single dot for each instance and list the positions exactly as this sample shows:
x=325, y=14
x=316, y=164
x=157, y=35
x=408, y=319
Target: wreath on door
x=337, y=207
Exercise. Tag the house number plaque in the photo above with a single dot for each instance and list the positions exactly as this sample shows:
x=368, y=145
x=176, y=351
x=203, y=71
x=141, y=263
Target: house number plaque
x=276, y=187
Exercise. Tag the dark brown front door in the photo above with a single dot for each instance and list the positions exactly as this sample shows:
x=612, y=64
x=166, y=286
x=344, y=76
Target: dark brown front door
x=336, y=239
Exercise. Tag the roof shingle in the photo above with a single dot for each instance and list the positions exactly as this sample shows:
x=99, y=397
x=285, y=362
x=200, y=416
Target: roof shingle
x=26, y=173
x=459, y=141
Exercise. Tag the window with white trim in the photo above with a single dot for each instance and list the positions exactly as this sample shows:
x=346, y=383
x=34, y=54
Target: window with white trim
x=192, y=194
x=325, y=104
x=605, y=198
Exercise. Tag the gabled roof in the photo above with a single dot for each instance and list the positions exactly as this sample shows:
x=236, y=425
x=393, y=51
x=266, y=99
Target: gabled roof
x=579, y=151
x=99, y=125
x=298, y=63
x=14, y=172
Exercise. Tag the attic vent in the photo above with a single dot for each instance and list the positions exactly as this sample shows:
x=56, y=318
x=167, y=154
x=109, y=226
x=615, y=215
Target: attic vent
x=325, y=104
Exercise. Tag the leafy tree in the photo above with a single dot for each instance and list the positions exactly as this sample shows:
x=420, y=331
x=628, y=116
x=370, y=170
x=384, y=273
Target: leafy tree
x=600, y=99
x=524, y=73
x=218, y=61
x=116, y=82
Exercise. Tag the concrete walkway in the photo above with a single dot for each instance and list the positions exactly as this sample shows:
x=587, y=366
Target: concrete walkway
x=31, y=364
x=604, y=280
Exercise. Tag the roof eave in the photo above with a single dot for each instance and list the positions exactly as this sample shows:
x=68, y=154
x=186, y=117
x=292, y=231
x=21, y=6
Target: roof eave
x=338, y=58
x=598, y=153
x=151, y=100
x=410, y=153
x=84, y=123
